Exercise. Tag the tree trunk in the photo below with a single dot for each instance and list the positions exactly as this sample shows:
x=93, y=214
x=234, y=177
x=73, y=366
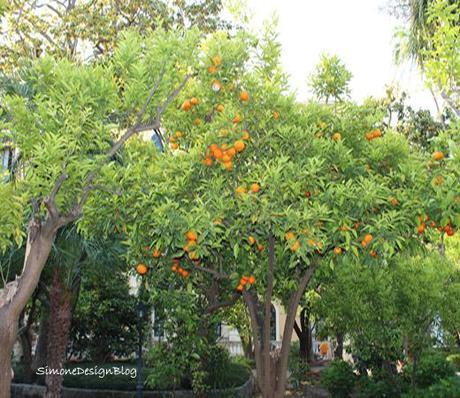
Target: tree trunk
x=338, y=352
x=15, y=295
x=42, y=343
x=60, y=316
x=8, y=334
x=271, y=368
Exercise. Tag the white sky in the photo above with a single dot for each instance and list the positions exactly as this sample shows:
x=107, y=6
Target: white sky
x=360, y=32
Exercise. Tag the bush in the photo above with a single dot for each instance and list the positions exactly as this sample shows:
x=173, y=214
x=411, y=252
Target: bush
x=430, y=369
x=297, y=368
x=447, y=388
x=378, y=387
x=454, y=359
x=339, y=379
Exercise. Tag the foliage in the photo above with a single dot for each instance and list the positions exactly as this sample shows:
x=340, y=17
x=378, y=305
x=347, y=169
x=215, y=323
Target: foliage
x=446, y=388
x=330, y=79
x=442, y=55
x=338, y=378
x=297, y=367
x=455, y=360
x=104, y=321
x=431, y=369
x=82, y=29
x=377, y=387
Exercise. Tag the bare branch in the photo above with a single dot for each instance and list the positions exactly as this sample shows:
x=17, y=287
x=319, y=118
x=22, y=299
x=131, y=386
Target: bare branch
x=221, y=304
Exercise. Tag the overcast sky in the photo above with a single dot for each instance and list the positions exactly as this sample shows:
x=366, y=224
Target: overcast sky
x=360, y=32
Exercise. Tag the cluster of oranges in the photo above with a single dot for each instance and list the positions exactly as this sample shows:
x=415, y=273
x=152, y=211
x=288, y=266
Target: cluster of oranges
x=224, y=154
x=448, y=229
x=245, y=280
x=253, y=242
x=191, y=238
x=366, y=240
x=241, y=190
x=173, y=140
x=216, y=62
x=293, y=241
x=373, y=134
x=188, y=104
x=177, y=268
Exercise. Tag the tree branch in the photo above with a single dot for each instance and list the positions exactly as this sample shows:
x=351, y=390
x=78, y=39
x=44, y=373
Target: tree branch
x=221, y=304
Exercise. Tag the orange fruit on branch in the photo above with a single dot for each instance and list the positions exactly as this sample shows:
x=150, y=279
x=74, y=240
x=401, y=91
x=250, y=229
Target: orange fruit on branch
x=252, y=280
x=438, y=155
x=239, y=146
x=246, y=136
x=236, y=119
x=212, y=69
x=191, y=235
x=244, y=96
x=186, y=106
x=255, y=188
x=194, y=101
x=276, y=115
x=174, y=146
x=251, y=240
x=216, y=60
x=337, y=250
x=289, y=235
x=141, y=269
x=421, y=228
x=220, y=108
x=373, y=253
x=260, y=247
x=156, y=253
x=207, y=162
x=336, y=137
x=228, y=165
x=295, y=246
x=368, y=238
x=240, y=190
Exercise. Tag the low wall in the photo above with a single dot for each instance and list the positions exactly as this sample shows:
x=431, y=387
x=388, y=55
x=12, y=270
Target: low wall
x=35, y=391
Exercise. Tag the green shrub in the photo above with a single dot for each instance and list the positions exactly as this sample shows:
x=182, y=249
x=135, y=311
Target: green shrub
x=298, y=369
x=430, y=370
x=455, y=360
x=377, y=387
x=447, y=388
x=339, y=379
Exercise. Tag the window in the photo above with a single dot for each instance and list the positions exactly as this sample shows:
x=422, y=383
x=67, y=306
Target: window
x=273, y=323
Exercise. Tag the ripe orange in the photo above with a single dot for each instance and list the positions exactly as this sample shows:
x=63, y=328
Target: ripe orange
x=179, y=134
x=216, y=60
x=373, y=253
x=226, y=158
x=337, y=137
x=193, y=255
x=251, y=240
x=369, y=136
x=255, y=188
x=295, y=246
x=344, y=228
x=260, y=247
x=172, y=139
x=236, y=119
x=197, y=121
x=231, y=152
x=141, y=269
x=240, y=190
x=194, y=101
x=246, y=136
x=276, y=115
x=438, y=155
x=376, y=133
x=239, y=146
x=207, y=162
x=213, y=147
x=289, y=235
x=244, y=96
x=337, y=251
x=220, y=108
x=191, y=235
x=186, y=106
x=364, y=243
x=174, y=145
x=368, y=238
x=421, y=228
x=252, y=280
x=185, y=273
x=240, y=287
x=228, y=165
x=449, y=230
x=174, y=268
x=156, y=253
x=307, y=194
x=218, y=154
x=212, y=69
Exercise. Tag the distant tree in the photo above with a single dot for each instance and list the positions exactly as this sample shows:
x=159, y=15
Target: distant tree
x=331, y=79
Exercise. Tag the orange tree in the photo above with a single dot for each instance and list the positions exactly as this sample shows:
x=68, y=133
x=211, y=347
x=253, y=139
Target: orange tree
x=256, y=192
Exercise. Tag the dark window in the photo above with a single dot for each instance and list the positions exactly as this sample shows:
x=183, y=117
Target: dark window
x=273, y=324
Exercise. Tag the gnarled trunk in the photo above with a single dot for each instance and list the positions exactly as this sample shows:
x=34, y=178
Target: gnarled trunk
x=14, y=296
x=60, y=317
x=338, y=352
